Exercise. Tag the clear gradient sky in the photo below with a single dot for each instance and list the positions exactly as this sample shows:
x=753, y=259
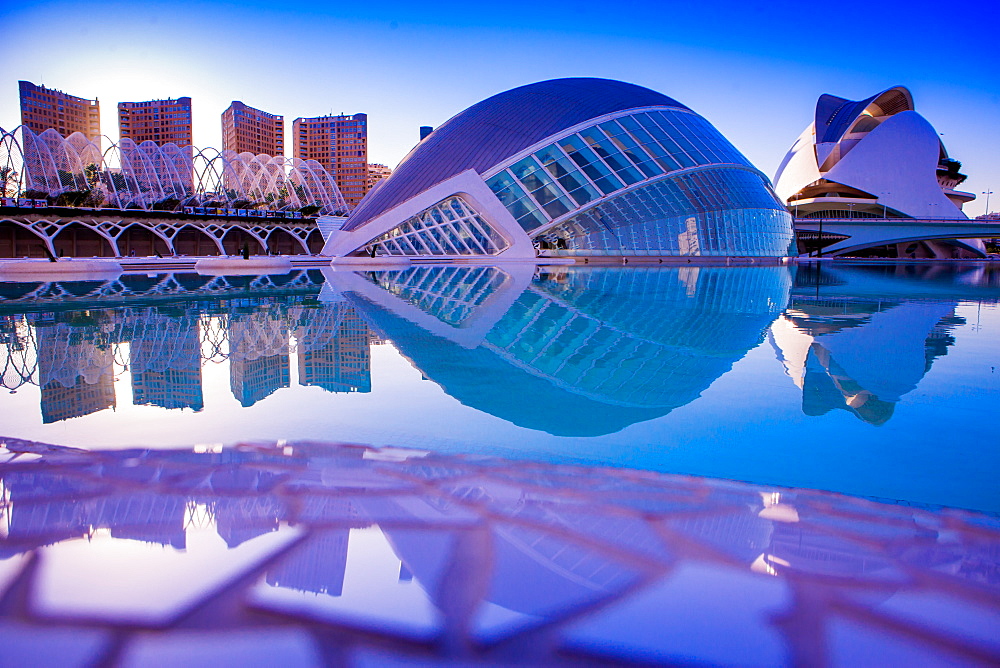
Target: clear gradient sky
x=753, y=68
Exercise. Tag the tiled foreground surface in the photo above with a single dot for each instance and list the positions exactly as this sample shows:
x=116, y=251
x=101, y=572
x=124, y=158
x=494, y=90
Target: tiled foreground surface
x=301, y=554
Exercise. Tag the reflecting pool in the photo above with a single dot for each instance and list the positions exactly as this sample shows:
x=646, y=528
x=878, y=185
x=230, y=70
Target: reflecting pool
x=875, y=380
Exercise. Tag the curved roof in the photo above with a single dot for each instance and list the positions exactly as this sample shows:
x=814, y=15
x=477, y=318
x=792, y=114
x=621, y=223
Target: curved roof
x=834, y=115
x=497, y=128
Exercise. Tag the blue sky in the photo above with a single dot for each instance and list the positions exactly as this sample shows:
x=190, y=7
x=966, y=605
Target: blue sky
x=754, y=69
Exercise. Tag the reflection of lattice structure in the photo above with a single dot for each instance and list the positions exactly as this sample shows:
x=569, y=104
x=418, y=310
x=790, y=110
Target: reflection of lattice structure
x=166, y=351
x=149, y=517
x=165, y=359
x=450, y=294
x=651, y=352
x=162, y=286
x=19, y=364
x=333, y=350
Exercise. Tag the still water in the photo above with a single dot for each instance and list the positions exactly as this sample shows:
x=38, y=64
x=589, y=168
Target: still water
x=880, y=380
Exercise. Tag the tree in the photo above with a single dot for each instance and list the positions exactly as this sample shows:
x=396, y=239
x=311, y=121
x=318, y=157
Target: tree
x=92, y=175
x=166, y=204
x=8, y=181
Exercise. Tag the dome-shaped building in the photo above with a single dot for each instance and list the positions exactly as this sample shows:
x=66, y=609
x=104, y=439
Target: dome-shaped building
x=572, y=167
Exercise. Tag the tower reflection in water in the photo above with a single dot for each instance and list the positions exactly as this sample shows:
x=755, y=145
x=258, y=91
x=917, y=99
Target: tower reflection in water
x=572, y=352
x=75, y=354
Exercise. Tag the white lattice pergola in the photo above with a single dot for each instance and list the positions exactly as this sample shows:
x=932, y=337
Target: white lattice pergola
x=147, y=176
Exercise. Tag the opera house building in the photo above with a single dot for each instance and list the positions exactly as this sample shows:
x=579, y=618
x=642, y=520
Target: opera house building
x=877, y=158
x=570, y=167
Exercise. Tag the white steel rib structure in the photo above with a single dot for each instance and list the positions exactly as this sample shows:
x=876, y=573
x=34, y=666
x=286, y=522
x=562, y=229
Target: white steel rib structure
x=149, y=177
x=570, y=167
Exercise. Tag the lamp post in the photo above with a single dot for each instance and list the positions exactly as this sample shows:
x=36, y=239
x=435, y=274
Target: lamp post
x=987, y=193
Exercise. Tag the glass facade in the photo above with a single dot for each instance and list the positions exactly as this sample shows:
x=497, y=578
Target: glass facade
x=726, y=210
x=721, y=211
x=450, y=227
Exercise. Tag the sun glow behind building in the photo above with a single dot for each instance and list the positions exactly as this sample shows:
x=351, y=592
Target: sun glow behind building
x=752, y=69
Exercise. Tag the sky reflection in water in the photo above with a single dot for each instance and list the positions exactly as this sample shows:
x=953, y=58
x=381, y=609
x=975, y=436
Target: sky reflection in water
x=872, y=380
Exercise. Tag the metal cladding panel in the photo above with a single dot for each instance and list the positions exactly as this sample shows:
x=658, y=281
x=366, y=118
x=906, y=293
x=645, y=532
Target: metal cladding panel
x=497, y=128
x=838, y=116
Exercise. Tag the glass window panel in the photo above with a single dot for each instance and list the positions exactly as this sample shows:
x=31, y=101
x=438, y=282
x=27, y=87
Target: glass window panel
x=584, y=194
x=500, y=181
x=530, y=221
x=636, y=154
x=533, y=181
x=455, y=241
x=679, y=134
x=578, y=151
x=523, y=168
x=606, y=183
x=611, y=155
x=565, y=173
x=589, y=164
x=474, y=239
x=660, y=155
x=406, y=245
x=511, y=194
x=542, y=187
x=556, y=208
x=569, y=180
x=665, y=141
x=546, y=194
x=550, y=154
x=630, y=124
x=418, y=244
x=520, y=207
x=611, y=128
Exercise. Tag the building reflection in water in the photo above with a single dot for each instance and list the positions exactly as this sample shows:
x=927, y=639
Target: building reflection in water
x=76, y=354
x=851, y=345
x=165, y=361
x=75, y=367
x=572, y=352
